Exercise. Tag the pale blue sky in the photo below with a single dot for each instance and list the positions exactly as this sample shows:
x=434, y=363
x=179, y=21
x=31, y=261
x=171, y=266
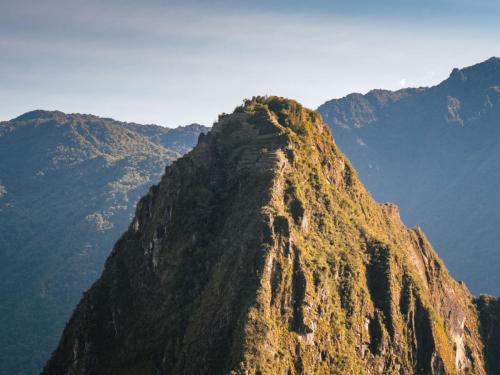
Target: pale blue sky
x=173, y=62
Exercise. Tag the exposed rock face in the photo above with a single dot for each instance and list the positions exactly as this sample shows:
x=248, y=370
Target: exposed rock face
x=260, y=252
x=68, y=188
x=436, y=153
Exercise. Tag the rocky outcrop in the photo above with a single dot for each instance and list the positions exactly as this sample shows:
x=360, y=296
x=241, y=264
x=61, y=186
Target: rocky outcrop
x=260, y=252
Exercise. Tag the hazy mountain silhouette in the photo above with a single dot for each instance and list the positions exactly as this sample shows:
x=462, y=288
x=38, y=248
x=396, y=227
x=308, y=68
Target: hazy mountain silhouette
x=68, y=188
x=436, y=153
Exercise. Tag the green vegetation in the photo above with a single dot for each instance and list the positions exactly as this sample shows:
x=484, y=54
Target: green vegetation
x=69, y=184
x=260, y=252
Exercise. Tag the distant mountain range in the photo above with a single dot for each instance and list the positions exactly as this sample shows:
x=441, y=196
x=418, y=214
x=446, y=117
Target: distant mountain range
x=435, y=152
x=68, y=188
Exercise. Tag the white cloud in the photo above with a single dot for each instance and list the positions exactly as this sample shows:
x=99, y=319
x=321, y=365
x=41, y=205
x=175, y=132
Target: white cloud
x=360, y=142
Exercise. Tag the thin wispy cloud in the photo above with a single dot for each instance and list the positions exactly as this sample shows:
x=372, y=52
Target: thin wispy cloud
x=174, y=63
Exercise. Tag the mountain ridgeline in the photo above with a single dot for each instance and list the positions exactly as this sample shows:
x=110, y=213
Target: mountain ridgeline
x=68, y=188
x=260, y=252
x=435, y=152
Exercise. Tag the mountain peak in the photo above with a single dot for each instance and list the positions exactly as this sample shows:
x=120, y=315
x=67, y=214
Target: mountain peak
x=484, y=74
x=261, y=252
x=38, y=114
x=493, y=59
x=492, y=62
x=271, y=112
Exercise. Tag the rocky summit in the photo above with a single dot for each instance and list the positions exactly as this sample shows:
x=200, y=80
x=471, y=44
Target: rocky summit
x=260, y=252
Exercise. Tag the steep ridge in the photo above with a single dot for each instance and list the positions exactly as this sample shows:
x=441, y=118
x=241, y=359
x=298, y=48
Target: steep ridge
x=436, y=153
x=69, y=184
x=260, y=252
